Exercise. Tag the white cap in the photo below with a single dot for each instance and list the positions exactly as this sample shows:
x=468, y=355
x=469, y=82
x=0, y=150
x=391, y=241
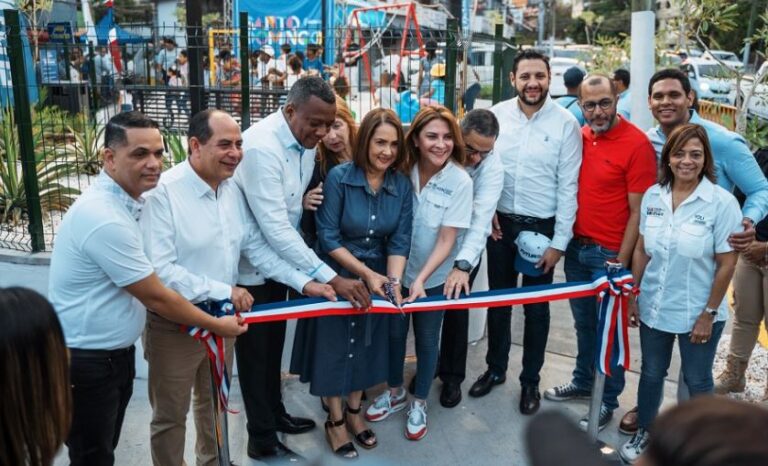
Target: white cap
x=269, y=50
x=530, y=249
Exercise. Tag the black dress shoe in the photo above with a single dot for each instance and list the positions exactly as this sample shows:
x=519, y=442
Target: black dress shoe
x=530, y=399
x=485, y=383
x=275, y=454
x=288, y=424
x=450, y=395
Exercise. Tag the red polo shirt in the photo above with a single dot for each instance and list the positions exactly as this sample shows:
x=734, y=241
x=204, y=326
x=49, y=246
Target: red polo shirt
x=614, y=163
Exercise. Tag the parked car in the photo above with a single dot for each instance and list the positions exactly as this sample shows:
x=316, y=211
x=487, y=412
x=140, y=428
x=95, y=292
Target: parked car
x=729, y=59
x=711, y=80
x=558, y=67
x=758, y=104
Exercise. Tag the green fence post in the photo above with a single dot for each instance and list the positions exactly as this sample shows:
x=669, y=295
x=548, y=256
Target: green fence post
x=497, y=63
x=450, y=64
x=23, y=115
x=245, y=75
x=94, y=94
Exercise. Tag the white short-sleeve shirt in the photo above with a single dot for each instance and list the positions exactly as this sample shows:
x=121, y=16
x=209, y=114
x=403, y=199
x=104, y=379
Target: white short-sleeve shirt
x=682, y=247
x=98, y=251
x=446, y=200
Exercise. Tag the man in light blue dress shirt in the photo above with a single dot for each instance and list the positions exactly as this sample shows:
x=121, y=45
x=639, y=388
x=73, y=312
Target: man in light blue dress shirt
x=621, y=80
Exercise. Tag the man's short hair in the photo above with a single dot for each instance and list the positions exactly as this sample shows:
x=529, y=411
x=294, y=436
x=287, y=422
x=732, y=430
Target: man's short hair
x=306, y=88
x=114, y=134
x=622, y=75
x=481, y=121
x=670, y=73
x=225, y=55
x=594, y=79
x=199, y=126
x=529, y=54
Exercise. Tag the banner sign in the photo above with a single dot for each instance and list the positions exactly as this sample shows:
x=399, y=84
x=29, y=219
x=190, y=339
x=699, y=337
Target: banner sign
x=275, y=22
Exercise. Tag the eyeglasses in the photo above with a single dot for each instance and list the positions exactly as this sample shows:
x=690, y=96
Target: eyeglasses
x=590, y=106
x=469, y=150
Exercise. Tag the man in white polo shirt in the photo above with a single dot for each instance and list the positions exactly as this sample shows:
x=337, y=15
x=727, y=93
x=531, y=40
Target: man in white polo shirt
x=196, y=224
x=540, y=147
x=101, y=282
x=276, y=169
x=479, y=129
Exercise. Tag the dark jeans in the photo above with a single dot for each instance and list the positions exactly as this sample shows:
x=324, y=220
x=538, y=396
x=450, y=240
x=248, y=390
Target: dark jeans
x=452, y=363
x=426, y=329
x=259, y=354
x=582, y=263
x=502, y=274
x=696, y=363
x=102, y=385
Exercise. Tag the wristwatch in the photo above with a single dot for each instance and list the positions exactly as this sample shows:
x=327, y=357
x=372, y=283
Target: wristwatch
x=463, y=265
x=711, y=311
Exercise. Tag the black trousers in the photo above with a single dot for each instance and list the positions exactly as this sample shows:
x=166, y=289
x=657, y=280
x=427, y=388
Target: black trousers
x=259, y=353
x=102, y=385
x=452, y=362
x=502, y=274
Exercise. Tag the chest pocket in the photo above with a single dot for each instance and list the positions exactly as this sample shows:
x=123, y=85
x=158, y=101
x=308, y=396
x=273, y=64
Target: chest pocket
x=435, y=205
x=653, y=229
x=691, y=240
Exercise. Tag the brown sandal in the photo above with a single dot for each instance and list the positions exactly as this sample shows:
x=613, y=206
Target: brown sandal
x=363, y=438
x=348, y=450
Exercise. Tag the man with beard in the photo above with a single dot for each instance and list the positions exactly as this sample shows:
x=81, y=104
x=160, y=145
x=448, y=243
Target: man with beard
x=278, y=161
x=618, y=164
x=670, y=99
x=540, y=148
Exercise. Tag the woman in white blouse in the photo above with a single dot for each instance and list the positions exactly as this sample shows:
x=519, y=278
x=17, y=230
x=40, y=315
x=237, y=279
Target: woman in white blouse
x=682, y=264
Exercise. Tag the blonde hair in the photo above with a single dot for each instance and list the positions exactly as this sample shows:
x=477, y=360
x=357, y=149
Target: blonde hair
x=326, y=157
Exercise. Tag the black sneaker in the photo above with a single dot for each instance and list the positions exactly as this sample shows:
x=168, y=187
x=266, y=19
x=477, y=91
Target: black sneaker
x=605, y=417
x=565, y=392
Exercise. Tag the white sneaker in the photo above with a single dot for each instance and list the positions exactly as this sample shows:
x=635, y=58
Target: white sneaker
x=635, y=447
x=386, y=404
x=416, y=427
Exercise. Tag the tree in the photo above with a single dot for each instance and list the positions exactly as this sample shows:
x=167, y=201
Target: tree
x=32, y=9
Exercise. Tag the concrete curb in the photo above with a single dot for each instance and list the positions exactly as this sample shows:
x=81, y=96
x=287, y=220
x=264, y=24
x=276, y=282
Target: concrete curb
x=25, y=258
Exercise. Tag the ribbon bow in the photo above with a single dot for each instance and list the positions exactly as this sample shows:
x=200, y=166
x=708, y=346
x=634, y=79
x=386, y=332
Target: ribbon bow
x=612, y=324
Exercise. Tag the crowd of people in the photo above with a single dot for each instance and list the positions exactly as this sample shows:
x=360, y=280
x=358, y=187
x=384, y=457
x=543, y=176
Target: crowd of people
x=307, y=202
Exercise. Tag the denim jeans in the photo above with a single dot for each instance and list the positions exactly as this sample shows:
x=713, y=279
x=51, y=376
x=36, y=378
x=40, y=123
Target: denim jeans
x=582, y=262
x=502, y=274
x=426, y=329
x=696, y=362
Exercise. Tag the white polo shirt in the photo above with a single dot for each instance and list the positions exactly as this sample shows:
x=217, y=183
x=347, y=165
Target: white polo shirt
x=487, y=182
x=445, y=201
x=682, y=247
x=273, y=175
x=98, y=251
x=194, y=237
x=541, y=157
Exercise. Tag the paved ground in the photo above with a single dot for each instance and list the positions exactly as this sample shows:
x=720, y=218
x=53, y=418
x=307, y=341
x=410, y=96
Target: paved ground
x=482, y=431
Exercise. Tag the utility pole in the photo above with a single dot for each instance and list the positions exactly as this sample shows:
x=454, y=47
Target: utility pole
x=750, y=31
x=541, y=26
x=643, y=60
x=553, y=14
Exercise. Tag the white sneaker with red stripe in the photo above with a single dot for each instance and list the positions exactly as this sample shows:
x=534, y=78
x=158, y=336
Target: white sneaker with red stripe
x=385, y=404
x=416, y=426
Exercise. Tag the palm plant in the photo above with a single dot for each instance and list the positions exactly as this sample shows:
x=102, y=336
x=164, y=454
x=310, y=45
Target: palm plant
x=47, y=124
x=174, y=142
x=85, y=148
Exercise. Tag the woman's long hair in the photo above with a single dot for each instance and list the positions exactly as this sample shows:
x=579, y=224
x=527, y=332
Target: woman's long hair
x=327, y=158
x=35, y=396
x=424, y=117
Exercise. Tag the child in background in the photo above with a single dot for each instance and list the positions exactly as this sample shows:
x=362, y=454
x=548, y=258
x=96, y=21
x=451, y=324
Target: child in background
x=385, y=96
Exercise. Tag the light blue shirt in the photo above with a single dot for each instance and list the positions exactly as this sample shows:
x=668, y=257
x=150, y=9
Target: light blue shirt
x=624, y=106
x=445, y=201
x=571, y=103
x=734, y=165
x=682, y=245
x=439, y=86
x=98, y=252
x=273, y=176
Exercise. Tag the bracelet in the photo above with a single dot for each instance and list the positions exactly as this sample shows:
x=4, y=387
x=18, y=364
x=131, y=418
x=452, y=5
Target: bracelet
x=394, y=280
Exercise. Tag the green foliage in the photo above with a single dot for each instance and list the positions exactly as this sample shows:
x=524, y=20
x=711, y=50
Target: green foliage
x=48, y=130
x=174, y=142
x=611, y=54
x=86, y=147
x=756, y=134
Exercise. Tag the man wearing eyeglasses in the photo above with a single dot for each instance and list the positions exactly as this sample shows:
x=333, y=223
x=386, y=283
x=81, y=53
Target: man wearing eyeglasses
x=539, y=146
x=618, y=165
x=479, y=130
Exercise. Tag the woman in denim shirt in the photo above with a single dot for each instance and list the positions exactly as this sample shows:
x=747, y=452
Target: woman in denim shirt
x=364, y=231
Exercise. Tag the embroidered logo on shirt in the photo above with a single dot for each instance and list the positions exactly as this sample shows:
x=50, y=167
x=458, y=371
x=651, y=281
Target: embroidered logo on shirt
x=446, y=191
x=654, y=212
x=699, y=220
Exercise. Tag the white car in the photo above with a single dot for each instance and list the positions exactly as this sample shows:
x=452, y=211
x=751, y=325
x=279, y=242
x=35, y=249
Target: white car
x=711, y=80
x=558, y=67
x=758, y=103
x=729, y=59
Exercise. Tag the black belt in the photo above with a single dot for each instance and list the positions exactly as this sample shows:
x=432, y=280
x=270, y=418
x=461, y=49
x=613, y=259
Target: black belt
x=96, y=353
x=525, y=219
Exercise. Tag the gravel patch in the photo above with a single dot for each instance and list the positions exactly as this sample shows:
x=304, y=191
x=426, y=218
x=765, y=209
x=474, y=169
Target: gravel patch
x=757, y=371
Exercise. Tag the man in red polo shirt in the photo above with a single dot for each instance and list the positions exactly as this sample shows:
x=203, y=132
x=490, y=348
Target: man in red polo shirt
x=618, y=165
